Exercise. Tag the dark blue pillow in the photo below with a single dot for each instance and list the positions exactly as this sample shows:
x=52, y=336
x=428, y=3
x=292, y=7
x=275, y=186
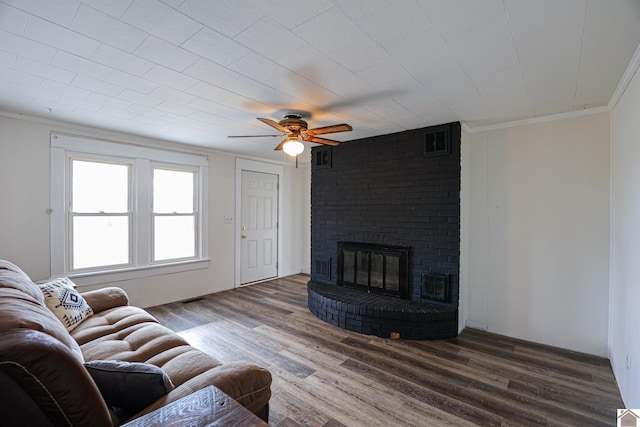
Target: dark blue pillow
x=130, y=386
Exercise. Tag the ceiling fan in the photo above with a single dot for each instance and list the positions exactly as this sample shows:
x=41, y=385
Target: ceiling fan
x=294, y=129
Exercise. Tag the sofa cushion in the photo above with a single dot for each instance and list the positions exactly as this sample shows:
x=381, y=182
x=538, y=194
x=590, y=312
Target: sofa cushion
x=129, y=333
x=183, y=363
x=131, y=386
x=111, y=324
x=65, y=302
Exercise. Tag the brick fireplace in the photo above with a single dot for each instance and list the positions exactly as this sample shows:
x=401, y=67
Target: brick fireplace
x=393, y=191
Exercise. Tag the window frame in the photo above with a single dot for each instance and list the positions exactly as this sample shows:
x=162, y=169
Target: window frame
x=195, y=213
x=143, y=159
x=71, y=214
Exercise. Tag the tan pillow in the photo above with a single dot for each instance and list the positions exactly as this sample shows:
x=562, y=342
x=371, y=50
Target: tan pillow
x=65, y=302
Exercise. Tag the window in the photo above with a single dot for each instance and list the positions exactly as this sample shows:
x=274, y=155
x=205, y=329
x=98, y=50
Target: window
x=174, y=215
x=100, y=216
x=125, y=210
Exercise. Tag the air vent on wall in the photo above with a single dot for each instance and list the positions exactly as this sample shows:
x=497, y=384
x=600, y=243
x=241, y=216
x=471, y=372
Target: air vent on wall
x=435, y=287
x=322, y=269
x=322, y=157
x=437, y=141
x=189, y=301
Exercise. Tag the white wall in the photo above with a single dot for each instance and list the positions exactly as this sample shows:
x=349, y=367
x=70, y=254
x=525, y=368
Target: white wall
x=465, y=197
x=306, y=201
x=538, y=239
x=625, y=244
x=294, y=193
x=24, y=195
x=24, y=222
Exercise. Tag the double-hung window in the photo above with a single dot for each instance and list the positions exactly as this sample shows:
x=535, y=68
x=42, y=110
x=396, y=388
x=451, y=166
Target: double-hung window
x=100, y=214
x=123, y=211
x=174, y=214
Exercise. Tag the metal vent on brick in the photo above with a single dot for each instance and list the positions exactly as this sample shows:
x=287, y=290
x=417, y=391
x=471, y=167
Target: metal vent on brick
x=322, y=157
x=435, y=287
x=437, y=141
x=322, y=269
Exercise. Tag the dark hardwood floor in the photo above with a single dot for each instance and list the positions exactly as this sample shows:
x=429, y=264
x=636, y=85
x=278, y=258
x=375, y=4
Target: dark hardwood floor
x=326, y=376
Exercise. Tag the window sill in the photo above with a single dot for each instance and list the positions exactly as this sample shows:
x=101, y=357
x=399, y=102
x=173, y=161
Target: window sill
x=101, y=277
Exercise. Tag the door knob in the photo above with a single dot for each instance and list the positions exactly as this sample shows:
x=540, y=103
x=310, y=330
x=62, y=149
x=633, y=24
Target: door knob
x=244, y=236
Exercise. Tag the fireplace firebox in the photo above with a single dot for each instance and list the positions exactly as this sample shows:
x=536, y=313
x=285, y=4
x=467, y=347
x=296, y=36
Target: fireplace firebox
x=374, y=267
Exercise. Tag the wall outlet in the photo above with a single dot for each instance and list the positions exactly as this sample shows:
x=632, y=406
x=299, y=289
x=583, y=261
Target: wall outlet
x=228, y=219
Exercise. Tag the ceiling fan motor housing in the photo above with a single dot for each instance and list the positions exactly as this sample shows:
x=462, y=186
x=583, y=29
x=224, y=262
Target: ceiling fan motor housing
x=293, y=122
x=293, y=127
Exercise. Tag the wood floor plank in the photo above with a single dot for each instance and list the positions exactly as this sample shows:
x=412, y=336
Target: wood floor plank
x=424, y=394
x=509, y=354
x=329, y=377
x=376, y=398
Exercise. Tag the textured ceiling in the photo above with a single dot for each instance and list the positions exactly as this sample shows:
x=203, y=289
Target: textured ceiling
x=195, y=71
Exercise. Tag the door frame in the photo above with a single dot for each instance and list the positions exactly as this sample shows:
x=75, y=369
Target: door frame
x=254, y=166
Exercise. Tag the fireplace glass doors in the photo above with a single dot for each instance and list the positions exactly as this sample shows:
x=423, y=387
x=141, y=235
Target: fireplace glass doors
x=376, y=268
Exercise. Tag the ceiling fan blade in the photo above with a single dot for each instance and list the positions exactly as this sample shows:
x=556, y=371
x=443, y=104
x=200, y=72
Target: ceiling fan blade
x=275, y=125
x=279, y=147
x=330, y=129
x=322, y=140
x=252, y=136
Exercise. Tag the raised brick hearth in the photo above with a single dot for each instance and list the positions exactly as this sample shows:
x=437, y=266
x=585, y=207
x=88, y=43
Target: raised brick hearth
x=401, y=189
x=380, y=315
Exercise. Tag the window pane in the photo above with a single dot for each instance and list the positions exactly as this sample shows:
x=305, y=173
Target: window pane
x=362, y=272
x=174, y=237
x=377, y=266
x=349, y=265
x=100, y=187
x=393, y=273
x=100, y=241
x=172, y=191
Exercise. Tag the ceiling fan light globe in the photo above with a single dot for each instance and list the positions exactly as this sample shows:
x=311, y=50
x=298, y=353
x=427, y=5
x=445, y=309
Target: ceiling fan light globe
x=293, y=148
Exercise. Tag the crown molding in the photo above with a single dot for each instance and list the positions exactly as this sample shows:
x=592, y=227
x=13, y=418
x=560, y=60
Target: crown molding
x=70, y=128
x=110, y=135
x=541, y=119
x=628, y=75
x=626, y=79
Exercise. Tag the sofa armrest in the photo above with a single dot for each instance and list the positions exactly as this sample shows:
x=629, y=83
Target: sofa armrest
x=43, y=383
x=246, y=383
x=106, y=298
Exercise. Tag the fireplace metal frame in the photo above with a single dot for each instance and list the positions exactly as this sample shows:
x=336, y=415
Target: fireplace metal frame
x=402, y=252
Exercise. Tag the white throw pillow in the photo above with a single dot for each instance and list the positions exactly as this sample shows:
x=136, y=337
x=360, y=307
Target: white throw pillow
x=65, y=302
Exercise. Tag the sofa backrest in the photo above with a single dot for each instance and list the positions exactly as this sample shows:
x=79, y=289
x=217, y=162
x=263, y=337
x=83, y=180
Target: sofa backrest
x=22, y=307
x=11, y=276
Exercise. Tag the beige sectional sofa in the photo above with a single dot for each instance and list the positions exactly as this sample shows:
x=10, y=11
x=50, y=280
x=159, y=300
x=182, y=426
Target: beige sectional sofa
x=42, y=376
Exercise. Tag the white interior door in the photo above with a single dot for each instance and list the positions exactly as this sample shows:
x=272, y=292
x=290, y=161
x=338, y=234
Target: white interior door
x=259, y=226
